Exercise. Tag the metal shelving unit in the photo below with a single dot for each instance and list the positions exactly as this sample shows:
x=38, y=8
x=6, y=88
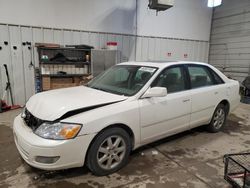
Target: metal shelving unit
x=61, y=67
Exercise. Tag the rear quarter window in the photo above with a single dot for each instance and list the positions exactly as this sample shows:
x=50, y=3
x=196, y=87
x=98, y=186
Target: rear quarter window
x=216, y=77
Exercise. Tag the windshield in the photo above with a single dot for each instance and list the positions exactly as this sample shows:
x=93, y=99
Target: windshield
x=123, y=79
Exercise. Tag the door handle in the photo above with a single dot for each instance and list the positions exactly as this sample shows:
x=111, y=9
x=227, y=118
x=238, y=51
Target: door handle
x=216, y=92
x=186, y=100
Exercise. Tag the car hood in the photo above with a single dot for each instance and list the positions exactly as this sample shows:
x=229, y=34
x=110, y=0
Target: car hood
x=54, y=104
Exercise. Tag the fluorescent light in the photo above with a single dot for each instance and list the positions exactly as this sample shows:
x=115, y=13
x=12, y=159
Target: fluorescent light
x=214, y=3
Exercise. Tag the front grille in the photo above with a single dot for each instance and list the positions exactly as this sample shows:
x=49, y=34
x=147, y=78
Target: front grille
x=30, y=120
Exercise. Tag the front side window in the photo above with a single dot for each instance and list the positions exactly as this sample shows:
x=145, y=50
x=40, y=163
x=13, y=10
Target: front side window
x=200, y=76
x=172, y=79
x=123, y=79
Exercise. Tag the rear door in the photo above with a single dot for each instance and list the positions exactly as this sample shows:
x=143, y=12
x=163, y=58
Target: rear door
x=207, y=91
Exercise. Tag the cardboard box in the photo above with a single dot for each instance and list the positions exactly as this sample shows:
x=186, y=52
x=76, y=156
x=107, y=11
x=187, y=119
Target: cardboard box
x=46, y=83
x=62, y=85
x=61, y=80
x=77, y=80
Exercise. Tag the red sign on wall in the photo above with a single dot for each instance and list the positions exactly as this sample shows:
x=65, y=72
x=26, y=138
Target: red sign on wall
x=169, y=54
x=185, y=55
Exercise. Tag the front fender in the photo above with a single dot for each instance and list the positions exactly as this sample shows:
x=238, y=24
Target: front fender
x=126, y=112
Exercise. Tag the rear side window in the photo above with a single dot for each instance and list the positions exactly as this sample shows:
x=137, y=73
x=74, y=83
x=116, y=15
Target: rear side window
x=200, y=76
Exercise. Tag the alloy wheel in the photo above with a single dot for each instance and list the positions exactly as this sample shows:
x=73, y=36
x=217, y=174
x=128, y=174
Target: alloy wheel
x=219, y=118
x=111, y=152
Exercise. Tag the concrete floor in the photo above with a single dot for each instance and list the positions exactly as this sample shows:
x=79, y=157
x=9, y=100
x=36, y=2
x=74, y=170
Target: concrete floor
x=191, y=159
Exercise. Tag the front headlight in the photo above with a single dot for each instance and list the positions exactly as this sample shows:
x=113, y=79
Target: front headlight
x=58, y=131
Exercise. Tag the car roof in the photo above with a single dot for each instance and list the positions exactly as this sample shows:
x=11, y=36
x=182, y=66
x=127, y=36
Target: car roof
x=161, y=64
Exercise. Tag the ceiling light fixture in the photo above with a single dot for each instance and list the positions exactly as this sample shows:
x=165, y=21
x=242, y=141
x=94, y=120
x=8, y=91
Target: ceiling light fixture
x=214, y=3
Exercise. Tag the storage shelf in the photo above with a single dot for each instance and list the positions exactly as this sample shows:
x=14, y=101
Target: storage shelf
x=63, y=57
x=64, y=63
x=64, y=75
x=65, y=49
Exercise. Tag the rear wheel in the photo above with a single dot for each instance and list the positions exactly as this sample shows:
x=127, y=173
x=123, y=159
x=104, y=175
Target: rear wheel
x=109, y=152
x=218, y=120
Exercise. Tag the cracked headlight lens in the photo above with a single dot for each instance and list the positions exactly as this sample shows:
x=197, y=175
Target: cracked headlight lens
x=58, y=131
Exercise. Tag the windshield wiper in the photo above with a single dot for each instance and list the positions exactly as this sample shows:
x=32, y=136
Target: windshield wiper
x=101, y=89
x=108, y=91
x=117, y=92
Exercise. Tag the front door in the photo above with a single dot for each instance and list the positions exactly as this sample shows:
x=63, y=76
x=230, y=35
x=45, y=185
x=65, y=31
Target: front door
x=163, y=116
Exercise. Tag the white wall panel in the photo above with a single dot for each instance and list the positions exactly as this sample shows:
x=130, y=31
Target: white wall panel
x=145, y=49
x=38, y=34
x=189, y=50
x=67, y=37
x=125, y=48
x=139, y=49
x=157, y=49
x=174, y=48
x=201, y=51
x=28, y=64
x=132, y=48
x=163, y=50
x=17, y=65
x=5, y=58
x=84, y=38
x=119, y=40
x=37, y=37
x=151, y=49
x=76, y=37
x=111, y=37
x=103, y=40
x=94, y=40
x=58, y=36
x=48, y=36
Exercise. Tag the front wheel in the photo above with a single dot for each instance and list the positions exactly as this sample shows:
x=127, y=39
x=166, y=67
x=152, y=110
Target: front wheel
x=218, y=120
x=109, y=152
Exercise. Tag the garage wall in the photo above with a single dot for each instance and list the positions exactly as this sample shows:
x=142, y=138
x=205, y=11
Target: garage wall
x=180, y=33
x=19, y=59
x=230, y=38
x=188, y=19
x=42, y=28
x=96, y=15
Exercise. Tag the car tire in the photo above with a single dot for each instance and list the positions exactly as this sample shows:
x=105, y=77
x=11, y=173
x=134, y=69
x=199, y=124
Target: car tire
x=218, y=120
x=109, y=151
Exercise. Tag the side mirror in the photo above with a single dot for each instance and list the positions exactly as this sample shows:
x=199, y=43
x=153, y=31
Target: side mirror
x=155, y=92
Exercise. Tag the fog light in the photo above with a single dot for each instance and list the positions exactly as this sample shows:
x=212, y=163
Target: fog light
x=47, y=160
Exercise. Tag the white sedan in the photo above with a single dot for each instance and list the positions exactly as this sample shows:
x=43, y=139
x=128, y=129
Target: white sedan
x=129, y=105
